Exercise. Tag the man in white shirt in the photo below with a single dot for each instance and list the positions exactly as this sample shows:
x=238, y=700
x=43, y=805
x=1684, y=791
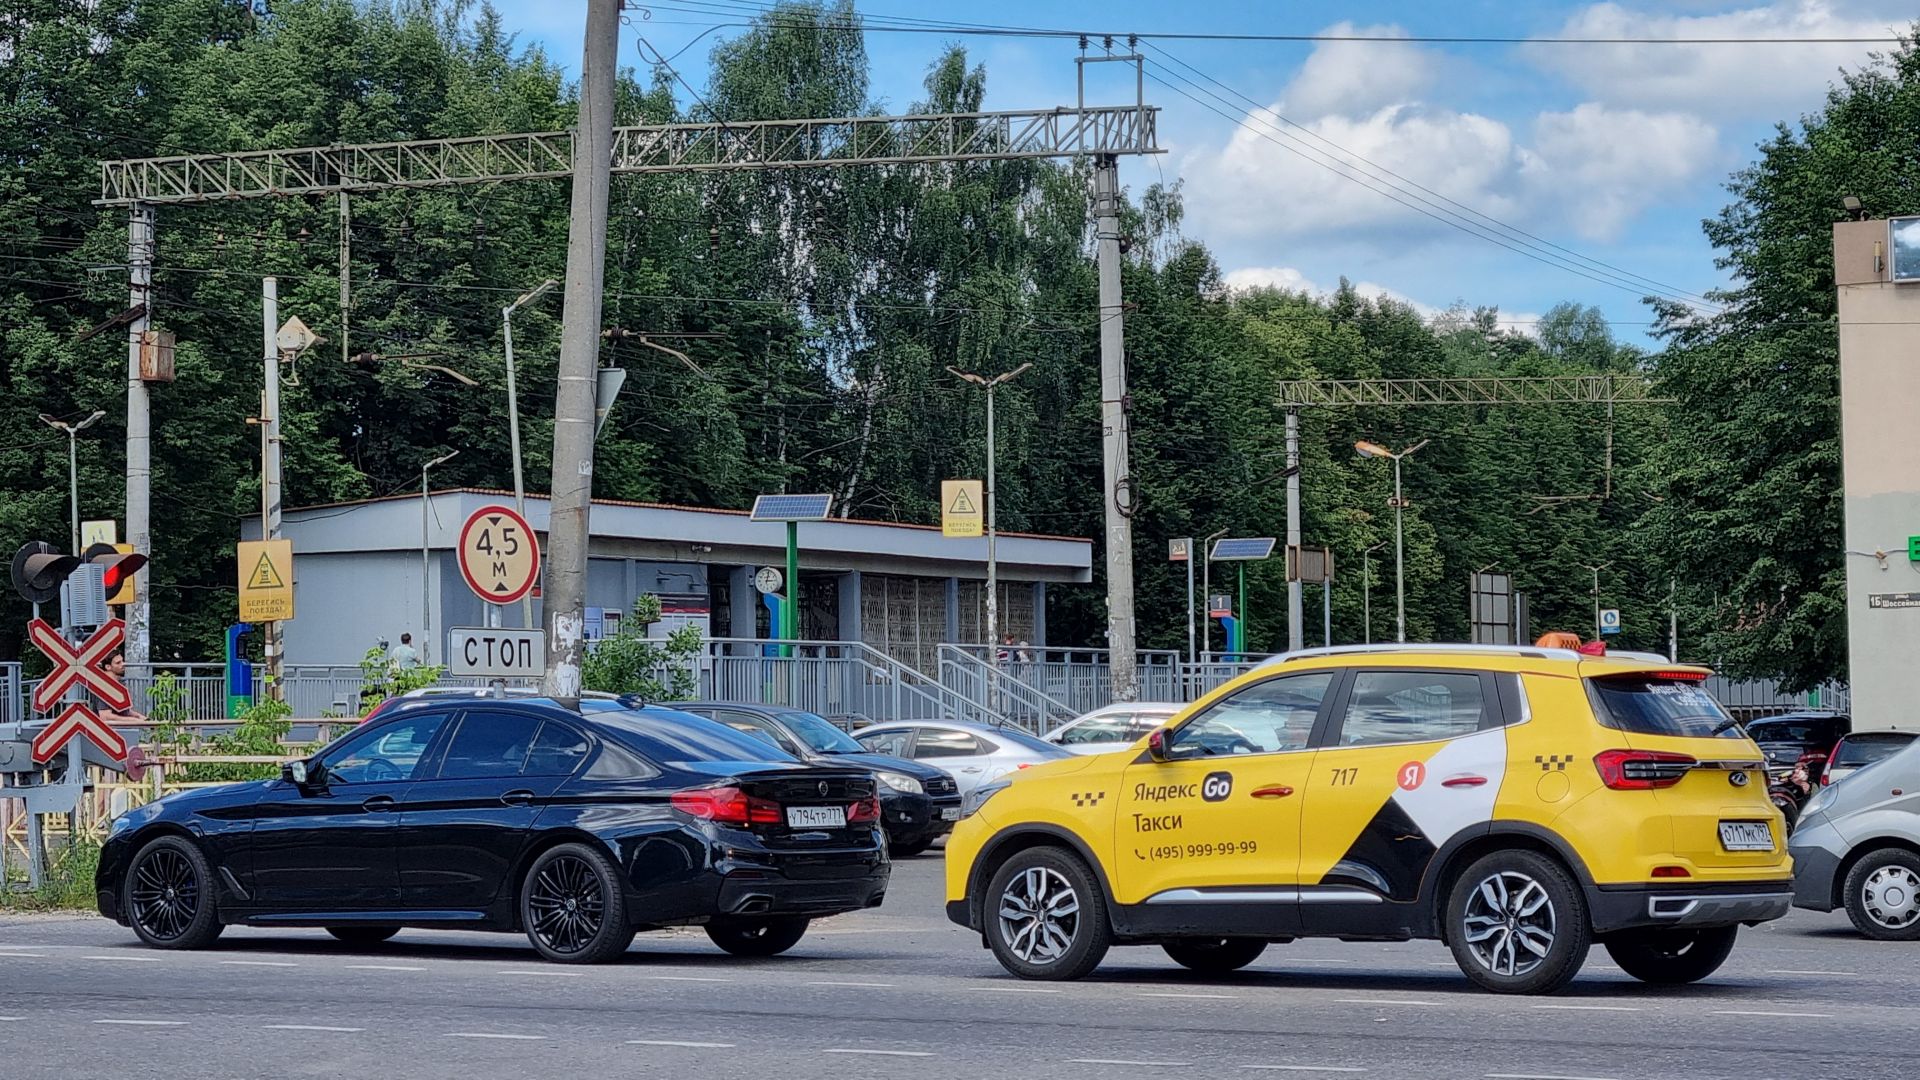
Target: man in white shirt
x=403, y=654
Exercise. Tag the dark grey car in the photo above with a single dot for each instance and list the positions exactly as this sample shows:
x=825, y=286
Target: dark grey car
x=1857, y=846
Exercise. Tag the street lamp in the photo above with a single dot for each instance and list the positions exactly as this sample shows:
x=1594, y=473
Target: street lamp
x=1206, y=589
x=1367, y=449
x=1596, y=597
x=1366, y=591
x=513, y=418
x=426, y=612
x=993, y=506
x=73, y=465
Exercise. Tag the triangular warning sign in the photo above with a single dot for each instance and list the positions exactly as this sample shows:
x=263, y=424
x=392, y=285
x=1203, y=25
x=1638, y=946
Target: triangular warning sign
x=265, y=575
x=962, y=504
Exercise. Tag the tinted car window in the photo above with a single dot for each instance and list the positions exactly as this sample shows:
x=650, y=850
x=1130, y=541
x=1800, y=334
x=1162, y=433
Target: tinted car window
x=938, y=744
x=387, y=753
x=1119, y=727
x=1264, y=718
x=1820, y=730
x=757, y=727
x=1858, y=750
x=1412, y=706
x=820, y=733
x=1648, y=705
x=489, y=744
x=557, y=751
x=895, y=742
x=671, y=736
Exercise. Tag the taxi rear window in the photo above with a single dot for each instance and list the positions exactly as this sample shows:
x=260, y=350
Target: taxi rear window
x=1654, y=704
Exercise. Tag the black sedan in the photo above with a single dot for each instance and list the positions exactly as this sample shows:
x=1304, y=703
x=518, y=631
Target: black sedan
x=579, y=827
x=919, y=802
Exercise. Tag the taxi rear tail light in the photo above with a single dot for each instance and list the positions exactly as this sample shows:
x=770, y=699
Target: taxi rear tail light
x=1641, y=770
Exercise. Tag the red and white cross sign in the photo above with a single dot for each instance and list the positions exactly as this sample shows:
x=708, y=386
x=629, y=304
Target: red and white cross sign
x=85, y=664
x=78, y=719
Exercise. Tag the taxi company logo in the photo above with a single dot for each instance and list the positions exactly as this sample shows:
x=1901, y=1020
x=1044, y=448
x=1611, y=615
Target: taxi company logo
x=1552, y=762
x=1164, y=792
x=1217, y=786
x=1156, y=822
x=1088, y=798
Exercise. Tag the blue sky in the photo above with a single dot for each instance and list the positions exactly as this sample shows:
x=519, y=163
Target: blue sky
x=1615, y=152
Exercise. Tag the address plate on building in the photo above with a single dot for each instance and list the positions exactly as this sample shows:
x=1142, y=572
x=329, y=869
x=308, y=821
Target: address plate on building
x=1893, y=600
x=497, y=652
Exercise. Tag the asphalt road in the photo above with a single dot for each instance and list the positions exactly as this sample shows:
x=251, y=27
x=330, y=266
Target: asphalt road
x=899, y=992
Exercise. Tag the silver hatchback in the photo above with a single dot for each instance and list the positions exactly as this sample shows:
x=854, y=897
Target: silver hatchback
x=1857, y=846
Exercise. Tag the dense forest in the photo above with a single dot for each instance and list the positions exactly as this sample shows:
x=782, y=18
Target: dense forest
x=829, y=304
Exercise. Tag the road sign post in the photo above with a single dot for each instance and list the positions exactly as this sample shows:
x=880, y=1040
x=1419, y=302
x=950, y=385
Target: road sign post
x=266, y=580
x=962, y=508
x=1609, y=621
x=499, y=555
x=497, y=652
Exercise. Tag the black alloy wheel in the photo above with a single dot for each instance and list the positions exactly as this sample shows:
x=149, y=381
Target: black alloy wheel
x=169, y=895
x=572, y=906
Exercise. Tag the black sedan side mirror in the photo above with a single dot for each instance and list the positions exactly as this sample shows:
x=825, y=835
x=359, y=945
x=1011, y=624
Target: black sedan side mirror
x=296, y=773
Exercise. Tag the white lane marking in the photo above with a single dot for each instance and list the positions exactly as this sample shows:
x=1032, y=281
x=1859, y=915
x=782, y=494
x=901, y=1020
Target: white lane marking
x=1125, y=1061
x=1541, y=1076
x=1309, y=1068
x=877, y=986
x=679, y=1042
x=11, y=1019
x=1762, y=1012
x=382, y=967
x=1383, y=1001
x=1593, y=1008
x=536, y=971
x=128, y=959
x=24, y=955
x=1316, y=960
x=1211, y=997
x=1014, y=989
x=493, y=1035
x=145, y=1023
x=881, y=1053
x=260, y=963
x=1783, y=971
x=689, y=978
x=311, y=1027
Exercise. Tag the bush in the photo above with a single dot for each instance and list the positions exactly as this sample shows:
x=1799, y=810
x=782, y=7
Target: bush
x=381, y=678
x=67, y=884
x=629, y=662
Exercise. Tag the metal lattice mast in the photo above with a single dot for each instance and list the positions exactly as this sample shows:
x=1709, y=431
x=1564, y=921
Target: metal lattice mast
x=1529, y=390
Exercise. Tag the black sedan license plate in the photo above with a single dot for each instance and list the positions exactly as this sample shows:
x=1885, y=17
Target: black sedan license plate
x=1746, y=836
x=816, y=817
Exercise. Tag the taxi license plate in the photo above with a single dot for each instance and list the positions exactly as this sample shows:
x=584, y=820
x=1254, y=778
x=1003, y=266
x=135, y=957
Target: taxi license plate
x=816, y=817
x=1746, y=836
x=949, y=813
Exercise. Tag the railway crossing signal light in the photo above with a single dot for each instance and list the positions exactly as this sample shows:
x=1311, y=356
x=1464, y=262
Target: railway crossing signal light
x=39, y=569
x=118, y=564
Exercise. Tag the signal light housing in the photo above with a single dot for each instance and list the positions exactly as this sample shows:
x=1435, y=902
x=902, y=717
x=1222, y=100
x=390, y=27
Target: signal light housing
x=118, y=564
x=1641, y=770
x=39, y=569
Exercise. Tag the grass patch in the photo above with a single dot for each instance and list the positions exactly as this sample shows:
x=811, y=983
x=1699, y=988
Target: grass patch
x=66, y=886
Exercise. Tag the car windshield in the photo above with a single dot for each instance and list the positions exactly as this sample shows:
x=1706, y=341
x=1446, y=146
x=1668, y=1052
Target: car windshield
x=1113, y=727
x=1652, y=704
x=1858, y=750
x=1796, y=730
x=673, y=737
x=819, y=734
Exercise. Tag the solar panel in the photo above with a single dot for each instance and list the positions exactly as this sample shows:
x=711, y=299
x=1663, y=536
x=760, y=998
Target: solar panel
x=1242, y=547
x=791, y=507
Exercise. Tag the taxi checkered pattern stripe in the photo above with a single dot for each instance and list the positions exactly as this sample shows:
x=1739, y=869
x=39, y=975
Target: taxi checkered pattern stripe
x=1088, y=798
x=1552, y=762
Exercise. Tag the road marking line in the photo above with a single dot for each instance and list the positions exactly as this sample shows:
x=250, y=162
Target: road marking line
x=1214, y=997
x=1309, y=1068
x=260, y=963
x=11, y=1019
x=24, y=955
x=882, y=1053
x=877, y=986
x=689, y=978
x=145, y=1023
x=1593, y=1008
x=1382, y=1001
x=493, y=1035
x=382, y=967
x=1762, y=1012
x=1782, y=971
x=128, y=959
x=1541, y=1076
x=1014, y=989
x=678, y=1042
x=536, y=971
x=311, y=1027
x=1317, y=960
x=1124, y=1061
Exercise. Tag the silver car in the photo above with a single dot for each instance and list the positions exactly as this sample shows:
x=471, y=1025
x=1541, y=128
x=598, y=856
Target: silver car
x=975, y=754
x=1111, y=727
x=1857, y=846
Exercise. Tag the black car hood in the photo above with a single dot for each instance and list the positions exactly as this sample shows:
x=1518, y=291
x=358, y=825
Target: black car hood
x=880, y=761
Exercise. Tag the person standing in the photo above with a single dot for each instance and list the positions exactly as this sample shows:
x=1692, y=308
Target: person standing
x=404, y=655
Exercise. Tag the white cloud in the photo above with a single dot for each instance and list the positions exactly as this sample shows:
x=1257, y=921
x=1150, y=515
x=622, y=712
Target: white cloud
x=1289, y=279
x=1604, y=165
x=1757, y=80
x=1351, y=78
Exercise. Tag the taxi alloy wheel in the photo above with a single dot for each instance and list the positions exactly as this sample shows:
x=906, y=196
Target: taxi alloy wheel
x=1517, y=923
x=1046, y=917
x=1883, y=895
x=169, y=895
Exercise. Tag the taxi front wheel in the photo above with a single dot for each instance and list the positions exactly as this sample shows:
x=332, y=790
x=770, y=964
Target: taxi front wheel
x=1046, y=916
x=1517, y=923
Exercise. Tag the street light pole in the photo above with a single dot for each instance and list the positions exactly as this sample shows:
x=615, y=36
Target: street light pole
x=1206, y=590
x=513, y=419
x=1367, y=449
x=1596, y=597
x=426, y=609
x=992, y=508
x=1366, y=591
x=73, y=467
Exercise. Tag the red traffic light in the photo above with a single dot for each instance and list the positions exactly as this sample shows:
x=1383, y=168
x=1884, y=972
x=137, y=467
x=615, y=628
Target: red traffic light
x=116, y=567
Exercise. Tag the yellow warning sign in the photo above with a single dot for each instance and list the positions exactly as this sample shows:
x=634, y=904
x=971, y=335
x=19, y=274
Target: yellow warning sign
x=266, y=580
x=962, y=508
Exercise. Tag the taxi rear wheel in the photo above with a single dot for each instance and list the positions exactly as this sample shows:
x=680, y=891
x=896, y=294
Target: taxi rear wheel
x=1517, y=923
x=1214, y=956
x=1672, y=957
x=1046, y=916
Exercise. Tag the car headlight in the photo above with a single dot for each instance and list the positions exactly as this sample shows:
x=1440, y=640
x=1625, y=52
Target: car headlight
x=1820, y=801
x=119, y=824
x=900, y=782
x=979, y=796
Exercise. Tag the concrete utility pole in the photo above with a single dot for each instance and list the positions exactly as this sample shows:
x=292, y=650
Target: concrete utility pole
x=1113, y=433
x=571, y=492
x=1296, y=630
x=513, y=420
x=139, y=441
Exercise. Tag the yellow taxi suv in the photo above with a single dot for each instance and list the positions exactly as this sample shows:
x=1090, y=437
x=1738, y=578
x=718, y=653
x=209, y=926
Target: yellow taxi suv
x=1518, y=803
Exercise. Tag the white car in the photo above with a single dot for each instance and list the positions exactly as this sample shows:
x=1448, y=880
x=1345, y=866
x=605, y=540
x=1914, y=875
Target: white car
x=975, y=754
x=1111, y=727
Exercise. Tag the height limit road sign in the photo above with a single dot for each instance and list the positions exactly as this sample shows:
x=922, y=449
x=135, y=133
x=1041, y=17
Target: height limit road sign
x=963, y=508
x=499, y=555
x=266, y=580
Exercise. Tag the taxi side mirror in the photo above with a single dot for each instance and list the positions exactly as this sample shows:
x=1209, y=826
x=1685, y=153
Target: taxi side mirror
x=1157, y=745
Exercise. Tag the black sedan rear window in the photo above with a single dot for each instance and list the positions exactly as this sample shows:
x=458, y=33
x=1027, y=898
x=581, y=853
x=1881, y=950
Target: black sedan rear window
x=1652, y=705
x=674, y=737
